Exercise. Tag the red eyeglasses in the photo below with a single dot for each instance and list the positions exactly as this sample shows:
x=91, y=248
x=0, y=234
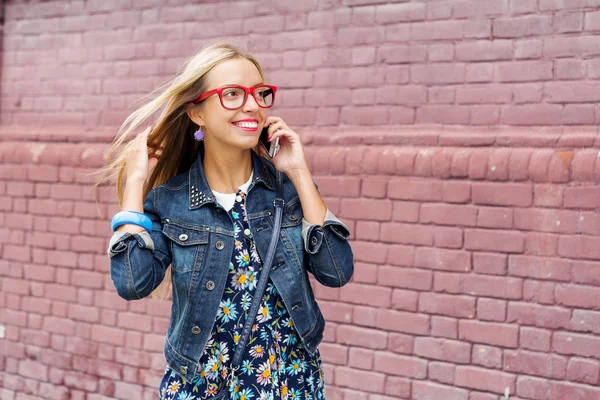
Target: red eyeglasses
x=234, y=97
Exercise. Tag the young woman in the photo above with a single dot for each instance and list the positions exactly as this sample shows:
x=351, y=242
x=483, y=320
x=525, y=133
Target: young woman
x=197, y=196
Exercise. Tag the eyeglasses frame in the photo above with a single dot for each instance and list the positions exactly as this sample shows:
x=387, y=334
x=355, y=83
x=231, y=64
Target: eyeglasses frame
x=247, y=90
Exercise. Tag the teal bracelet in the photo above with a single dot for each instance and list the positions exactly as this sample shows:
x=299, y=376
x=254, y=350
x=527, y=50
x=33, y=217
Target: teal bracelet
x=131, y=217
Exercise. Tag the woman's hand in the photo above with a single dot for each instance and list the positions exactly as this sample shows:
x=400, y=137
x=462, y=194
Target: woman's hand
x=138, y=165
x=290, y=158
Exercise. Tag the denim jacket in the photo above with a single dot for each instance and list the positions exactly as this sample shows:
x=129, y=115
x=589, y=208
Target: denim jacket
x=193, y=233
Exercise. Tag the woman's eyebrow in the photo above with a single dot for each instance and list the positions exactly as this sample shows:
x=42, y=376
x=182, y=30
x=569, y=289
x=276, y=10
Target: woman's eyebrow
x=239, y=84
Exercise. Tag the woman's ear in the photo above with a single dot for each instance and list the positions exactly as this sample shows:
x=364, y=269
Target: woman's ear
x=193, y=111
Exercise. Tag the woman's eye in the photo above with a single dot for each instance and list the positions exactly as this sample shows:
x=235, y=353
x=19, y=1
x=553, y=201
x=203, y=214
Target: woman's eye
x=230, y=94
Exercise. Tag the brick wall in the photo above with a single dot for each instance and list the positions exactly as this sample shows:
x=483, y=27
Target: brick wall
x=350, y=62
x=476, y=246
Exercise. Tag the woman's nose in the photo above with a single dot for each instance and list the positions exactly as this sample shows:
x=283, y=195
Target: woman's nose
x=251, y=104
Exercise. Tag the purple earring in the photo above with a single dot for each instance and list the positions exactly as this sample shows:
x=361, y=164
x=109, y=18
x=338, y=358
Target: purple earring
x=199, y=134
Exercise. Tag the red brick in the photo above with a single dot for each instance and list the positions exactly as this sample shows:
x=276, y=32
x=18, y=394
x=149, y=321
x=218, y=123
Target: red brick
x=443, y=349
x=586, y=321
x=447, y=282
x=398, y=365
x=441, y=372
x=487, y=356
x=538, y=315
x=563, y=390
x=537, y=364
x=370, y=252
x=576, y=344
x=583, y=371
x=406, y=211
x=408, y=233
x=534, y=339
x=581, y=197
x=530, y=114
x=399, y=321
x=548, y=195
x=577, y=296
x=358, y=358
x=442, y=259
x=401, y=343
x=405, y=300
x=541, y=244
x=357, y=336
x=423, y=390
x=456, y=192
x=445, y=214
x=504, y=335
x=532, y=388
x=496, y=241
x=491, y=310
x=444, y=327
x=579, y=247
x=490, y=263
x=447, y=305
x=446, y=237
x=356, y=294
x=401, y=255
x=424, y=162
x=415, y=189
x=540, y=268
x=33, y=368
x=364, y=209
x=502, y=194
x=483, y=379
x=556, y=221
x=495, y=217
x=492, y=286
x=396, y=386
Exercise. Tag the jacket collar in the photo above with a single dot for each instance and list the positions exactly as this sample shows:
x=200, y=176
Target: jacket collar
x=199, y=191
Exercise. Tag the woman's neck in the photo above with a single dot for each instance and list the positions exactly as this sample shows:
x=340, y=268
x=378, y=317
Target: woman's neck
x=225, y=171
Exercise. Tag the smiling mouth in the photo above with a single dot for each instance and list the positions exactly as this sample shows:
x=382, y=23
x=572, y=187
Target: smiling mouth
x=247, y=126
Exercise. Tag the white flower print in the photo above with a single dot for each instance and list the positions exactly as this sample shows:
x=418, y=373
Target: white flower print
x=246, y=301
x=251, y=279
x=238, y=245
x=212, y=368
x=243, y=259
x=264, y=313
x=254, y=255
x=257, y=351
x=263, y=374
x=240, y=280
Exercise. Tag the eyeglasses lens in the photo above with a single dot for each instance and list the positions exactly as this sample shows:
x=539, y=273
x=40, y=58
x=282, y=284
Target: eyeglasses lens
x=235, y=97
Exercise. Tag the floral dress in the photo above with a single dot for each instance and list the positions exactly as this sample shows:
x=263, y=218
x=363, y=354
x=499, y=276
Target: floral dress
x=275, y=364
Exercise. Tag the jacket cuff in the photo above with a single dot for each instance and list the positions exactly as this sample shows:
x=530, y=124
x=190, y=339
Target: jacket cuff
x=117, y=244
x=312, y=234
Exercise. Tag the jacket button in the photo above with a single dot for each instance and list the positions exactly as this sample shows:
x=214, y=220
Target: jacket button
x=183, y=237
x=210, y=285
x=183, y=369
x=220, y=245
x=293, y=218
x=196, y=330
x=313, y=241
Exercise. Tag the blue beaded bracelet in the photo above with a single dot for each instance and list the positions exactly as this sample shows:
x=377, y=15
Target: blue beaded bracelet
x=131, y=217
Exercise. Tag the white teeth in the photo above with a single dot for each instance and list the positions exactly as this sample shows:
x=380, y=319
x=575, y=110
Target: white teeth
x=250, y=125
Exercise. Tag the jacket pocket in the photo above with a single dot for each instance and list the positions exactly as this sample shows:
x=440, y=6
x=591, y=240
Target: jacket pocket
x=188, y=244
x=291, y=225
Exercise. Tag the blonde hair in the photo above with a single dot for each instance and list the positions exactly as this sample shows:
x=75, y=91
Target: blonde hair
x=172, y=137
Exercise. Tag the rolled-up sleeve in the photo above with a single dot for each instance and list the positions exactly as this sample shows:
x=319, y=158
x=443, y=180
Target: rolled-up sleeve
x=138, y=261
x=330, y=257
x=312, y=234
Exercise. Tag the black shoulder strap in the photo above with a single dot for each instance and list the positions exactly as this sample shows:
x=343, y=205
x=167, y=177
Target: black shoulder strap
x=264, y=276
